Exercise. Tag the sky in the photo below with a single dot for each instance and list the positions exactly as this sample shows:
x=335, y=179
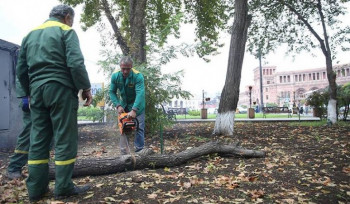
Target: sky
x=18, y=17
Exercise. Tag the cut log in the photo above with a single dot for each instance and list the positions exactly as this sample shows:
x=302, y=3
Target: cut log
x=100, y=166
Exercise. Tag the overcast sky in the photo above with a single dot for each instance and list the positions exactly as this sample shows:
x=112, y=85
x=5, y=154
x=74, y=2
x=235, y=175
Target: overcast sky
x=18, y=17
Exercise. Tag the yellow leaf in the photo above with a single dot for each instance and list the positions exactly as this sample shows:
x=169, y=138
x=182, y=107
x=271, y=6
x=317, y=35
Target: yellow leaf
x=99, y=185
x=166, y=169
x=152, y=196
x=110, y=199
x=89, y=196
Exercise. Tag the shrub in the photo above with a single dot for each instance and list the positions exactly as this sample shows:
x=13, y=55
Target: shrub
x=194, y=113
x=91, y=113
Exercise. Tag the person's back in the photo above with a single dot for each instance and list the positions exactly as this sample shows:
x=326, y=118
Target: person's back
x=51, y=70
x=49, y=54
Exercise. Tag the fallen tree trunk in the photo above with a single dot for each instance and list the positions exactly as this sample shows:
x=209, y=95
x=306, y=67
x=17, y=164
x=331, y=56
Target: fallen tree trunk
x=100, y=166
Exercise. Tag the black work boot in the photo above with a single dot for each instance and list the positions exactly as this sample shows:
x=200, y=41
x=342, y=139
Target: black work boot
x=76, y=191
x=14, y=175
x=35, y=199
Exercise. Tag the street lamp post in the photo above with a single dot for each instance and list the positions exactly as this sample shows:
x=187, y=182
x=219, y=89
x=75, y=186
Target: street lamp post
x=250, y=96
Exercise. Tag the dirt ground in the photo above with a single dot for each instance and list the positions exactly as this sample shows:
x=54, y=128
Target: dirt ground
x=303, y=165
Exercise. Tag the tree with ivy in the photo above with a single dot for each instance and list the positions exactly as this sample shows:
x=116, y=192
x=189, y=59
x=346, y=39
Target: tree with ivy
x=303, y=26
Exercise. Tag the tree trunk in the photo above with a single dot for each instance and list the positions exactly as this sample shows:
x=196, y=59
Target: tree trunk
x=137, y=18
x=230, y=94
x=332, y=103
x=86, y=167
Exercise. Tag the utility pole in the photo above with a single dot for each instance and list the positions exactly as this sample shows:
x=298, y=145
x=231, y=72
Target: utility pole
x=261, y=81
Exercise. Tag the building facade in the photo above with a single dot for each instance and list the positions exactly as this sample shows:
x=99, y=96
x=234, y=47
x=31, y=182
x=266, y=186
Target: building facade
x=292, y=87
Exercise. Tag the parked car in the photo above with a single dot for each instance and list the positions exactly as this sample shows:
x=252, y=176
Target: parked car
x=242, y=110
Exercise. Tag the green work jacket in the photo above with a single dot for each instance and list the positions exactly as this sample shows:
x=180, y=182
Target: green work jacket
x=129, y=92
x=51, y=52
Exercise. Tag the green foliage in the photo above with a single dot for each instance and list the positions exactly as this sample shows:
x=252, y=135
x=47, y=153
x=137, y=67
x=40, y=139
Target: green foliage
x=160, y=88
x=271, y=105
x=317, y=99
x=91, y=113
x=194, y=113
x=344, y=100
x=163, y=19
x=295, y=23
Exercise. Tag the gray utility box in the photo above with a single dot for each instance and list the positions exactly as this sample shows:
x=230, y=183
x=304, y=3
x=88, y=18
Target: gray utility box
x=10, y=113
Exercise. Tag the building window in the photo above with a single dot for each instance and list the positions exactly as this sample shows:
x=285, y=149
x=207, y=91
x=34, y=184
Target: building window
x=284, y=79
x=338, y=73
x=280, y=79
x=299, y=77
x=267, y=97
x=181, y=104
x=170, y=104
x=267, y=89
x=263, y=71
x=347, y=72
x=270, y=71
x=267, y=82
x=313, y=76
x=295, y=78
x=318, y=76
x=303, y=77
x=310, y=77
x=324, y=75
x=175, y=105
x=288, y=78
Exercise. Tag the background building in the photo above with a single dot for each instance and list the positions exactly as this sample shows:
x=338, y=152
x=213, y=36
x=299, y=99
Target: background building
x=288, y=87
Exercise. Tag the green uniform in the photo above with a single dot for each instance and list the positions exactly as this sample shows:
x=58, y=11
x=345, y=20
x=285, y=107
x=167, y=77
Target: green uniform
x=51, y=70
x=20, y=158
x=131, y=91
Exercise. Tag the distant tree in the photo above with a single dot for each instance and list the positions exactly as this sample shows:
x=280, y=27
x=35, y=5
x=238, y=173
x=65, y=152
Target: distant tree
x=303, y=25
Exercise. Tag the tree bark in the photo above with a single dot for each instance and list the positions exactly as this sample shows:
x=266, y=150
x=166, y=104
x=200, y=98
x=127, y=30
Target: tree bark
x=230, y=94
x=93, y=166
x=137, y=18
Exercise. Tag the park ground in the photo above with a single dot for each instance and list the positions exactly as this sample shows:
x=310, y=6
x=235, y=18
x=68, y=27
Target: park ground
x=305, y=163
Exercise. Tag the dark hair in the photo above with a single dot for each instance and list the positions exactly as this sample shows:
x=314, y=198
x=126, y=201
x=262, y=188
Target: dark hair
x=61, y=11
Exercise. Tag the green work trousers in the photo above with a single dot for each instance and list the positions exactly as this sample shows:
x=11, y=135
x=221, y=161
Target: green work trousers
x=54, y=116
x=20, y=158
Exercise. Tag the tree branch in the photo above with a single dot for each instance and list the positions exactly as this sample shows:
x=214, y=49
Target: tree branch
x=120, y=40
x=307, y=24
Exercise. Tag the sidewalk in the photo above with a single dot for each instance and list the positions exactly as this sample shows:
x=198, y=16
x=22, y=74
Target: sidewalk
x=253, y=120
x=296, y=119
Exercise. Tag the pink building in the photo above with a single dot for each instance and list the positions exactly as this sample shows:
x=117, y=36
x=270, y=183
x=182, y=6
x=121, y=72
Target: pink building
x=287, y=87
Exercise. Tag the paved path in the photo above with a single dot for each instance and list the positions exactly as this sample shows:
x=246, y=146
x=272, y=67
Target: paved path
x=253, y=120
x=236, y=119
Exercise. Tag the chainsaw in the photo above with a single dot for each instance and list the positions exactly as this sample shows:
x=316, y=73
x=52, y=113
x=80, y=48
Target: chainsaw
x=126, y=126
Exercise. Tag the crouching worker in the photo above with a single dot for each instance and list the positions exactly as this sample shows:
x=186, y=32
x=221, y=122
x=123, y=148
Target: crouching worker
x=129, y=84
x=51, y=70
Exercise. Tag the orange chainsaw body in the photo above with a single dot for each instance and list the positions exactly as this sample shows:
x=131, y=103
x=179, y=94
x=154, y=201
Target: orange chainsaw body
x=126, y=124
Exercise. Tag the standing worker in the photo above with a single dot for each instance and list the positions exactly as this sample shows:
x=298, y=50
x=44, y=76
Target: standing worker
x=131, y=99
x=20, y=157
x=51, y=70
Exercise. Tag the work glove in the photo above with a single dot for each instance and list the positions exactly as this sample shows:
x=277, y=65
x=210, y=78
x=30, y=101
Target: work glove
x=86, y=95
x=25, y=104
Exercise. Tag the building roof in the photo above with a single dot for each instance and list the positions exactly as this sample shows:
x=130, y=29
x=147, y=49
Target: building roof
x=8, y=46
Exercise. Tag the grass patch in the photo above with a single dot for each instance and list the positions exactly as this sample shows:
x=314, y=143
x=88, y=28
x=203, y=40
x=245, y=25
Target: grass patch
x=319, y=123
